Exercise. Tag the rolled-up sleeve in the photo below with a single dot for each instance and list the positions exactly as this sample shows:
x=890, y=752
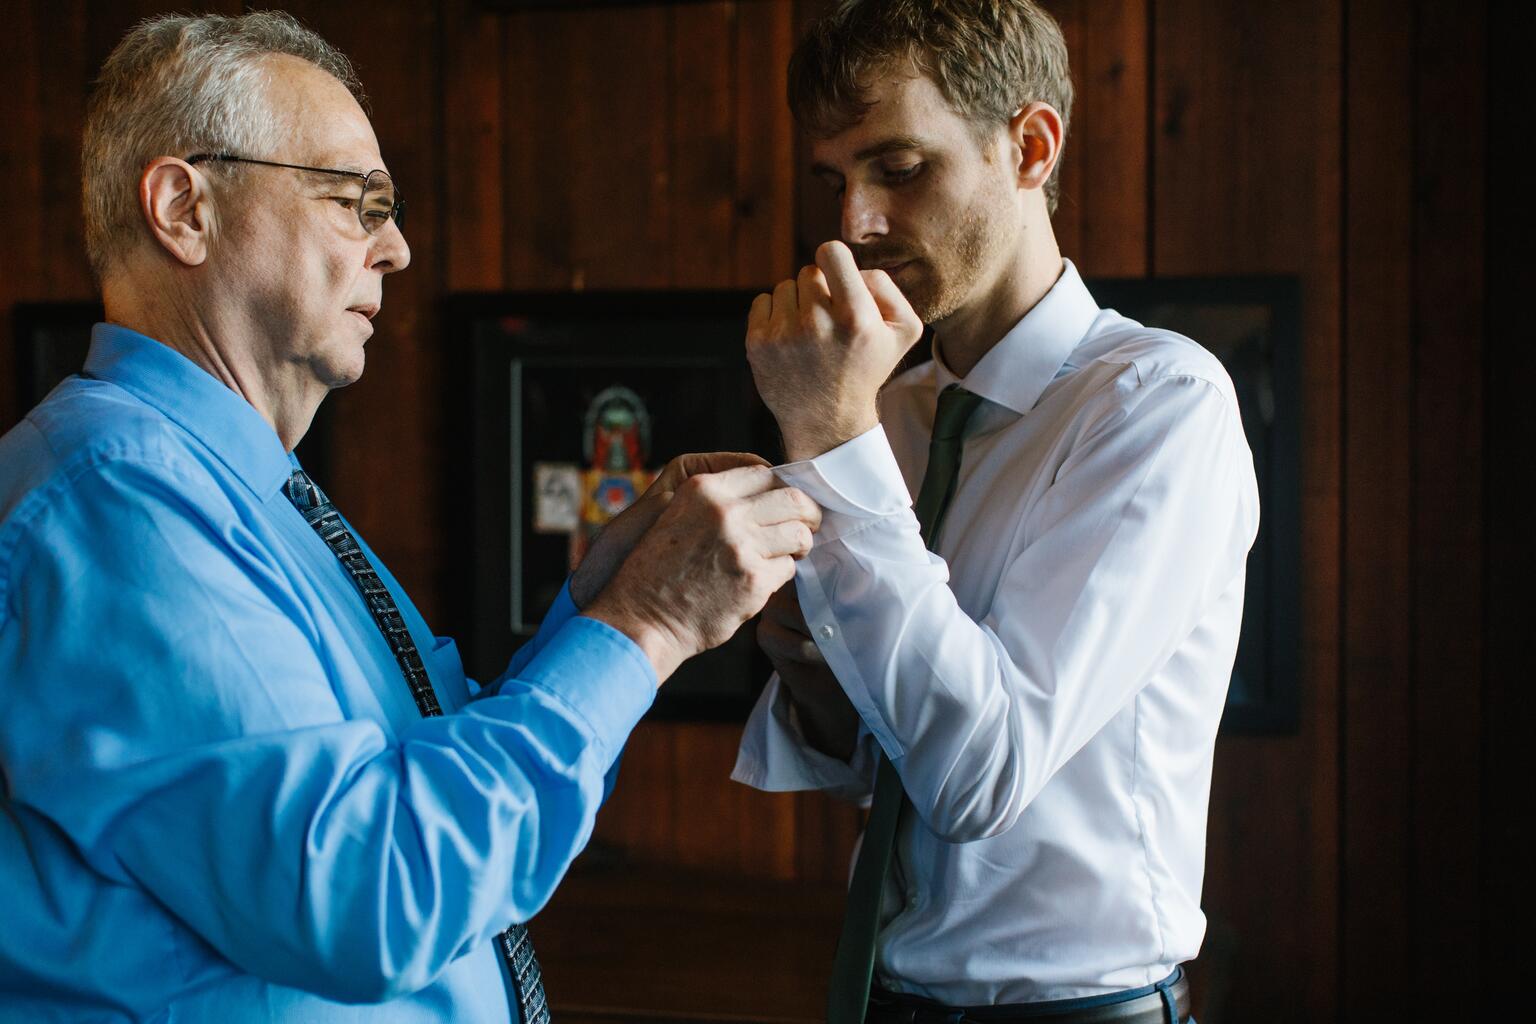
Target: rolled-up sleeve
x=178, y=726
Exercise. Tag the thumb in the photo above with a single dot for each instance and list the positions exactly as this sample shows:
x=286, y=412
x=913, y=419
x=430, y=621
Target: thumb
x=893, y=305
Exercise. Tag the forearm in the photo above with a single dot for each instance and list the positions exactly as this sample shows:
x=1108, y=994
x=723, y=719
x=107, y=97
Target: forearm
x=334, y=859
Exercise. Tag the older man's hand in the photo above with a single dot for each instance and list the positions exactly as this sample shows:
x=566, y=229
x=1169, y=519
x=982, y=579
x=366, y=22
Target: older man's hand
x=723, y=544
x=822, y=345
x=620, y=536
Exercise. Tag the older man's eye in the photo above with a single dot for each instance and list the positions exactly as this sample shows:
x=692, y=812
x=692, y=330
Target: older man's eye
x=346, y=202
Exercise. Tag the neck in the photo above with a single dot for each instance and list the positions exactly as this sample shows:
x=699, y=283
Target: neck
x=969, y=333
x=224, y=344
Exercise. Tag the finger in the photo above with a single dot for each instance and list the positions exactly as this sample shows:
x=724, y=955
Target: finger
x=783, y=505
x=792, y=539
x=889, y=300
x=741, y=482
x=786, y=302
x=850, y=295
x=811, y=288
x=780, y=570
x=760, y=313
x=694, y=463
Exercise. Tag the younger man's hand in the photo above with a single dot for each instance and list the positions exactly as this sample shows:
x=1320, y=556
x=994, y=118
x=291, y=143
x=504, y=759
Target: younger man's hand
x=822, y=345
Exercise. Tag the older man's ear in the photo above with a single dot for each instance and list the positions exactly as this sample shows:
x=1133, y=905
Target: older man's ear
x=175, y=201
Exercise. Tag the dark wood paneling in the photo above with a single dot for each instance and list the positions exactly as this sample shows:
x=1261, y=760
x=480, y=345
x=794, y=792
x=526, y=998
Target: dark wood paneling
x=1508, y=887
x=764, y=146
x=1448, y=470
x=1377, y=376
x=474, y=180
x=1246, y=180
x=701, y=177
x=1101, y=219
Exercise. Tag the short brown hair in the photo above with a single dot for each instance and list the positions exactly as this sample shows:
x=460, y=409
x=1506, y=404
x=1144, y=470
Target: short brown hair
x=989, y=58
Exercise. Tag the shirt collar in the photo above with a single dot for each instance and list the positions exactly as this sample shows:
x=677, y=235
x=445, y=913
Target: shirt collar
x=1015, y=372
x=188, y=395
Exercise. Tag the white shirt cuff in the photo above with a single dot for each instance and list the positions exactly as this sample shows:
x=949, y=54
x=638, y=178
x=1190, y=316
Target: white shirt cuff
x=776, y=758
x=855, y=482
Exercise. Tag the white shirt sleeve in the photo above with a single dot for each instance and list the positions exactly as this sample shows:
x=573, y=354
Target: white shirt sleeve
x=1145, y=524
x=776, y=757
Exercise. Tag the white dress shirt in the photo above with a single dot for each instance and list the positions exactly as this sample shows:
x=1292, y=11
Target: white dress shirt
x=1049, y=682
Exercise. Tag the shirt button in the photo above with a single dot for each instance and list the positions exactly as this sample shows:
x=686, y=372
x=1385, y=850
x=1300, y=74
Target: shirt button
x=826, y=632
x=912, y=900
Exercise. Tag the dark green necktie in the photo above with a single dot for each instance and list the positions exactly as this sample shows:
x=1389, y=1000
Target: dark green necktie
x=855, y=961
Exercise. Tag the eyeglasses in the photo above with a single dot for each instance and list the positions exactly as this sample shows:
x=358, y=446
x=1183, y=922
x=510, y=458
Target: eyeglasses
x=378, y=204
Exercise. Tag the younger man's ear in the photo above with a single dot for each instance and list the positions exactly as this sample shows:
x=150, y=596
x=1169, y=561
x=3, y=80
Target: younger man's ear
x=1035, y=132
x=174, y=199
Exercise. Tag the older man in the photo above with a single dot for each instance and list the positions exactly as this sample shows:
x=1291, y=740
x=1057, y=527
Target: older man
x=244, y=782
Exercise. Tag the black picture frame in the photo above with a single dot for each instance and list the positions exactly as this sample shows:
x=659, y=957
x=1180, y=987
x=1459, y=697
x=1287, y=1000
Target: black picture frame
x=538, y=359
x=1253, y=324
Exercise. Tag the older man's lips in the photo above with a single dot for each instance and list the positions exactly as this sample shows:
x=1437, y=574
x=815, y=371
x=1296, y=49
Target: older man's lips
x=365, y=315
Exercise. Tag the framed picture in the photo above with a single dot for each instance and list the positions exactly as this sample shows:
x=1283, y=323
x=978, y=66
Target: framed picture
x=579, y=399
x=554, y=371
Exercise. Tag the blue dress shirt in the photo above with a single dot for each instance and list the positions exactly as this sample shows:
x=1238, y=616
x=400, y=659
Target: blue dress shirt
x=220, y=802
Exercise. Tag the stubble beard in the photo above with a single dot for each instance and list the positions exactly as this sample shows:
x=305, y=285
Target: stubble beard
x=950, y=271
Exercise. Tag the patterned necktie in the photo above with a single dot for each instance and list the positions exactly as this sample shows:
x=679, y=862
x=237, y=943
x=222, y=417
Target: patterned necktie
x=854, y=964
x=516, y=947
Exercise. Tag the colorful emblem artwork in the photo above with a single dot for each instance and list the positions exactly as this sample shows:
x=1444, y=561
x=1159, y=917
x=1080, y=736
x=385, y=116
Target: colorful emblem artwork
x=581, y=500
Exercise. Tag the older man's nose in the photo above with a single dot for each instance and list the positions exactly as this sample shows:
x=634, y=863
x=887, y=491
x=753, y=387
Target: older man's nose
x=390, y=251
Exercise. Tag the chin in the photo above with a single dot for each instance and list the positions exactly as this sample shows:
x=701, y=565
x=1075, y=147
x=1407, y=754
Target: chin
x=341, y=370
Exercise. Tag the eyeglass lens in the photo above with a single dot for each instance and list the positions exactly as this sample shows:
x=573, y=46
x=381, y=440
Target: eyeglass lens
x=380, y=203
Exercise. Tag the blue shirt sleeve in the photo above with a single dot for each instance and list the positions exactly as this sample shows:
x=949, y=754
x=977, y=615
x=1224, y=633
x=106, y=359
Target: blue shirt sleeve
x=171, y=714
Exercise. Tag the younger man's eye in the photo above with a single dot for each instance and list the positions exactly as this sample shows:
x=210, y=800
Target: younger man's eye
x=903, y=173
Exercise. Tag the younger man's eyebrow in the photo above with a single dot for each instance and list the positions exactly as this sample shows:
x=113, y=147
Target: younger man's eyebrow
x=896, y=144
x=893, y=145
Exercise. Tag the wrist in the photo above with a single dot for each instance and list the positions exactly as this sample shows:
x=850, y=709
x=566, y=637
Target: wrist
x=662, y=647
x=809, y=438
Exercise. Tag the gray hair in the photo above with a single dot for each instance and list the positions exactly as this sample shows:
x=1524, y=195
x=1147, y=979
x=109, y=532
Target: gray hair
x=178, y=85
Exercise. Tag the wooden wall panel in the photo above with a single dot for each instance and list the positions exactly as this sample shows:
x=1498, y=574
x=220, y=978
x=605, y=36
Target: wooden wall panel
x=1449, y=473
x=1378, y=482
x=1101, y=219
x=20, y=112
x=475, y=189
x=701, y=177
x=764, y=146
x=1245, y=168
x=1506, y=883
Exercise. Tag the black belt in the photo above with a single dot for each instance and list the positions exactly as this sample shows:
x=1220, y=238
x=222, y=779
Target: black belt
x=1151, y=1005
